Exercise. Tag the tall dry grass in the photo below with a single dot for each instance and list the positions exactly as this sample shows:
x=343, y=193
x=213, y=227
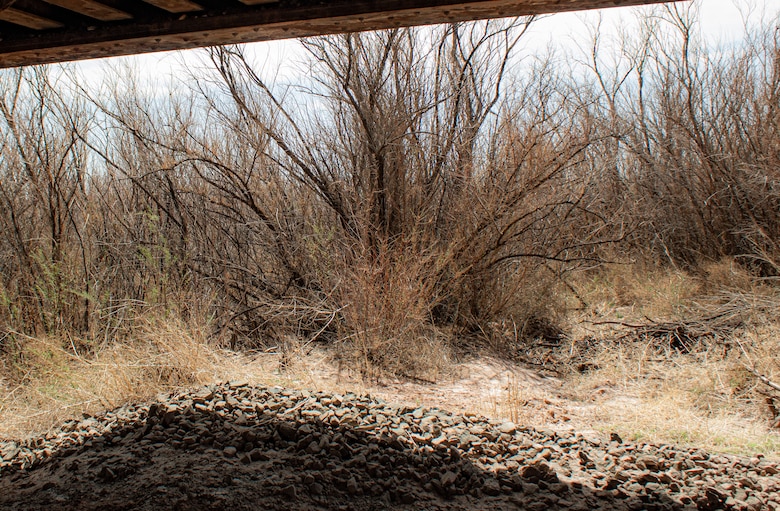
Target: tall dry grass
x=47, y=381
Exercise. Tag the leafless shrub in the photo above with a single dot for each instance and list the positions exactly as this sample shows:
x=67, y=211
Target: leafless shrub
x=695, y=129
x=43, y=187
x=418, y=189
x=441, y=175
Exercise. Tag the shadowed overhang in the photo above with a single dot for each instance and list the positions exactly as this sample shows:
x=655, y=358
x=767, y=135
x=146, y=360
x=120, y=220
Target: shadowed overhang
x=38, y=31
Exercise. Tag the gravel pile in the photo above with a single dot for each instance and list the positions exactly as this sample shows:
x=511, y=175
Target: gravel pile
x=241, y=447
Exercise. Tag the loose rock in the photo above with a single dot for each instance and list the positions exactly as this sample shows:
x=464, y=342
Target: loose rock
x=235, y=445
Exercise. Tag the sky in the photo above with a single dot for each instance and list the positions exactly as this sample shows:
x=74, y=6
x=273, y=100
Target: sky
x=720, y=20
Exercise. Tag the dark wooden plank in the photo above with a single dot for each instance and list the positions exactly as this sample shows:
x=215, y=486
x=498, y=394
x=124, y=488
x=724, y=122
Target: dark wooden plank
x=27, y=20
x=92, y=9
x=176, y=6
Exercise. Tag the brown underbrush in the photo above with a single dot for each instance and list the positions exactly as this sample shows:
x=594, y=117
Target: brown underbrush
x=606, y=374
x=679, y=358
x=421, y=197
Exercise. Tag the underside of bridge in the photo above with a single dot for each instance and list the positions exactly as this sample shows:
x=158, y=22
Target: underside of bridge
x=43, y=31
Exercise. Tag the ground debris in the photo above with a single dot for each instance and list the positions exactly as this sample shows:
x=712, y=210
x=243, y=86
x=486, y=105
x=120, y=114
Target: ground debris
x=683, y=336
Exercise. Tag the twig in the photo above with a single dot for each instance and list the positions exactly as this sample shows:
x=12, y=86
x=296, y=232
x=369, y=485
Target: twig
x=763, y=378
x=621, y=323
x=330, y=320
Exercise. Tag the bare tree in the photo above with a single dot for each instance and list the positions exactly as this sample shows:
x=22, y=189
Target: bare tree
x=43, y=192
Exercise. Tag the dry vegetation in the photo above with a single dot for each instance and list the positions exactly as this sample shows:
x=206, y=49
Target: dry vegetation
x=426, y=196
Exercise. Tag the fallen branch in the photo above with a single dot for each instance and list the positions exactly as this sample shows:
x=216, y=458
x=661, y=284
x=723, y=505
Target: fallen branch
x=763, y=378
x=682, y=335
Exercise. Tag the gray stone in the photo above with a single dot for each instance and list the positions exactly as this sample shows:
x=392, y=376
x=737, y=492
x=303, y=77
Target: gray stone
x=352, y=486
x=448, y=478
x=289, y=491
x=287, y=431
x=491, y=487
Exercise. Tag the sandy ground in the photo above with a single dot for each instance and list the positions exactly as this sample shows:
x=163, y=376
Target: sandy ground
x=648, y=409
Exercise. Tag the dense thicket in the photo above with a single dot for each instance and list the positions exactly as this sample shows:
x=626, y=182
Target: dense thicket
x=422, y=183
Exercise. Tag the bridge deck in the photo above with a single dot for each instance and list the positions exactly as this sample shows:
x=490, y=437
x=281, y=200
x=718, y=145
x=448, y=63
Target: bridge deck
x=42, y=31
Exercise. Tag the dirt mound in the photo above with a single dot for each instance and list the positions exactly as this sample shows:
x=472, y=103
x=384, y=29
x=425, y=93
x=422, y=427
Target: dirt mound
x=237, y=447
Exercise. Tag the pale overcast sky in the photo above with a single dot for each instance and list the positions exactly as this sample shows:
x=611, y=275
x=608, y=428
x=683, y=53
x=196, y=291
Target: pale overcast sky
x=721, y=20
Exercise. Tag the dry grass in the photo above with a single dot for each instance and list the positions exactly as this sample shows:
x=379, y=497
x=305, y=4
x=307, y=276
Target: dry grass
x=644, y=390
x=630, y=291
x=684, y=404
x=55, y=382
x=702, y=399
x=385, y=325
x=706, y=398
x=48, y=381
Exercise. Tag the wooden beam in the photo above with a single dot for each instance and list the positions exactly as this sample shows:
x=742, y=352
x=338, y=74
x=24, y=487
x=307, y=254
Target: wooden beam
x=5, y=4
x=91, y=9
x=282, y=20
x=27, y=20
x=175, y=6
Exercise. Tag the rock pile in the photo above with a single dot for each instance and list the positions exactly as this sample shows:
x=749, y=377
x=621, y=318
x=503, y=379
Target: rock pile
x=242, y=447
